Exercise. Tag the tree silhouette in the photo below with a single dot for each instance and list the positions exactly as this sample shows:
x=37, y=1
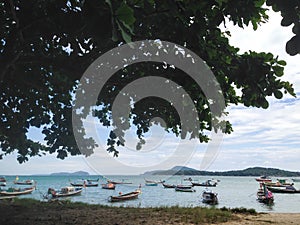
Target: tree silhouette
x=46, y=45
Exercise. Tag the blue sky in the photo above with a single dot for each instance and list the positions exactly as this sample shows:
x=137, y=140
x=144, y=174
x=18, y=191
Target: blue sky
x=268, y=138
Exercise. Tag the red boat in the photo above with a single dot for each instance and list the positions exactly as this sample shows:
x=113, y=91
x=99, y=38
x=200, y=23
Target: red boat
x=263, y=179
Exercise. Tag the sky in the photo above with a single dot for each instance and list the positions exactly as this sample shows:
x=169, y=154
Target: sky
x=267, y=138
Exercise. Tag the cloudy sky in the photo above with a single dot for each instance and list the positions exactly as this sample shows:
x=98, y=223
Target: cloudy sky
x=268, y=138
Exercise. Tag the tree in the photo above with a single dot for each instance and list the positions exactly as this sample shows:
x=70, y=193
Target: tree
x=47, y=45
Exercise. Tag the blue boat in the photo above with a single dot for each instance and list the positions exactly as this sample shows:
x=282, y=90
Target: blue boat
x=150, y=184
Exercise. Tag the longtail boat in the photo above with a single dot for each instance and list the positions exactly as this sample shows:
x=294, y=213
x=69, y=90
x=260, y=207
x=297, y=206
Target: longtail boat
x=124, y=197
x=17, y=191
x=64, y=192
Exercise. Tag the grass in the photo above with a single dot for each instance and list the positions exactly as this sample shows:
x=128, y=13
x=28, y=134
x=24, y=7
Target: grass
x=175, y=214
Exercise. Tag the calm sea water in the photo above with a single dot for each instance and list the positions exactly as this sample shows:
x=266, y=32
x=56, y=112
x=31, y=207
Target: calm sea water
x=232, y=192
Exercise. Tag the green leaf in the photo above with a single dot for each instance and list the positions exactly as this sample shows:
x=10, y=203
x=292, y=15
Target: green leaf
x=259, y=3
x=264, y=103
x=130, y=28
x=151, y=2
x=278, y=94
x=282, y=62
x=125, y=14
x=254, y=24
x=278, y=71
x=126, y=37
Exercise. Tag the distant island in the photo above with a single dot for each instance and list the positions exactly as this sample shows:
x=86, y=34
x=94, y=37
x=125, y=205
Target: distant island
x=253, y=171
x=78, y=173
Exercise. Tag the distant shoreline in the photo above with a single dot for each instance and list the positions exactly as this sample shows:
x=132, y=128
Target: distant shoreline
x=249, y=172
x=186, y=171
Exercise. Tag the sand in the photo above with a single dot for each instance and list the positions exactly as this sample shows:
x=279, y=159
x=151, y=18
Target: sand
x=267, y=218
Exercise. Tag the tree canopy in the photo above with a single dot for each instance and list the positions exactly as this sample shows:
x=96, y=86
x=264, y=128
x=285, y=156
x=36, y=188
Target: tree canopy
x=46, y=46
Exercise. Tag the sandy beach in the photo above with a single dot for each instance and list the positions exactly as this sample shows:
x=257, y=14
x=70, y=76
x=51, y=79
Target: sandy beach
x=18, y=212
x=266, y=218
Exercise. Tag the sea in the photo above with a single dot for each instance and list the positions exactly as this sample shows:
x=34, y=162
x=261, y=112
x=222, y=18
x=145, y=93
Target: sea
x=232, y=192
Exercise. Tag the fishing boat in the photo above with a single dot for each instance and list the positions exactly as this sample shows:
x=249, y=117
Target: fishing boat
x=209, y=197
x=288, y=190
x=84, y=184
x=92, y=180
x=17, y=191
x=279, y=183
x=153, y=181
x=64, y=192
x=168, y=185
x=184, y=188
x=109, y=186
x=264, y=195
x=208, y=183
x=7, y=197
x=263, y=179
x=124, y=197
x=25, y=182
x=2, y=184
x=118, y=182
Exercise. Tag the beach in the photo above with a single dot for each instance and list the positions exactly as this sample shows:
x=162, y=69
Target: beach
x=26, y=211
x=266, y=218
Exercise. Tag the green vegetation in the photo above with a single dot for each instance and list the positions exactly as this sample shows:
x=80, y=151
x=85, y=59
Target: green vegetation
x=46, y=46
x=255, y=171
x=241, y=210
x=195, y=215
x=78, y=173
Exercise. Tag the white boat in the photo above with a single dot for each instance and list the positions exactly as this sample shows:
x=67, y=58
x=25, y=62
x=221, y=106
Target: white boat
x=17, y=191
x=64, y=192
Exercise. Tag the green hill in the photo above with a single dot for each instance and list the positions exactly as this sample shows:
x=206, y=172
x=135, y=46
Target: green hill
x=78, y=173
x=254, y=171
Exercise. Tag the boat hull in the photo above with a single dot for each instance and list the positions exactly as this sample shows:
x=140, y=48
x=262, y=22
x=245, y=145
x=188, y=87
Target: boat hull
x=284, y=191
x=184, y=189
x=169, y=185
x=24, y=183
x=84, y=185
x=14, y=193
x=204, y=185
x=125, y=197
x=64, y=192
